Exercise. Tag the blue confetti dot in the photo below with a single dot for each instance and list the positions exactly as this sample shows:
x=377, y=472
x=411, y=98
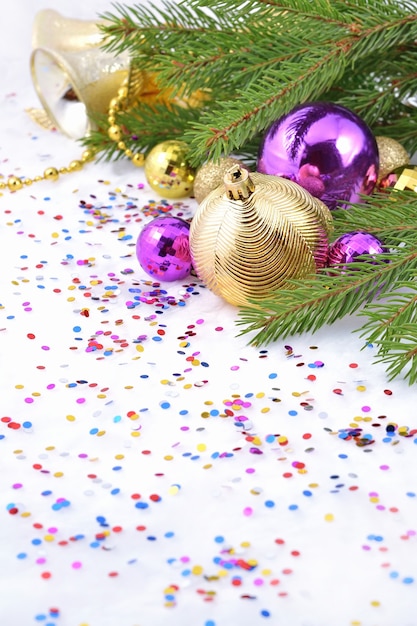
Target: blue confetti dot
x=219, y=539
x=410, y=494
x=292, y=412
x=27, y=424
x=169, y=534
x=408, y=580
x=270, y=504
x=394, y=575
x=164, y=405
x=273, y=375
x=76, y=329
x=141, y=505
x=22, y=555
x=307, y=493
x=293, y=507
x=265, y=613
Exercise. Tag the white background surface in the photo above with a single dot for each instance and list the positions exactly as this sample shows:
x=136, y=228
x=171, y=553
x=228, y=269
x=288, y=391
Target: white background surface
x=341, y=535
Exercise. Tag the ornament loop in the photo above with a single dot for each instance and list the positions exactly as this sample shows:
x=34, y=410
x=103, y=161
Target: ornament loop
x=238, y=183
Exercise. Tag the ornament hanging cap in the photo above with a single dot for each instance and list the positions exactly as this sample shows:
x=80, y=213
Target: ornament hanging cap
x=238, y=183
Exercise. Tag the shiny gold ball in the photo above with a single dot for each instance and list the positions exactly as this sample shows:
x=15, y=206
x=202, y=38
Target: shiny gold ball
x=114, y=132
x=87, y=155
x=210, y=175
x=75, y=166
x=14, y=183
x=168, y=171
x=51, y=173
x=254, y=234
x=391, y=156
x=138, y=159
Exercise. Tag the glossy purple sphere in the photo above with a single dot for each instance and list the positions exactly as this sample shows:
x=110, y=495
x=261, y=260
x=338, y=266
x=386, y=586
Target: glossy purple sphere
x=350, y=245
x=325, y=148
x=163, y=248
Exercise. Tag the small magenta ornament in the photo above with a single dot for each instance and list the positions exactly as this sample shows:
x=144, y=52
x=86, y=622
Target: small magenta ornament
x=324, y=147
x=163, y=249
x=347, y=247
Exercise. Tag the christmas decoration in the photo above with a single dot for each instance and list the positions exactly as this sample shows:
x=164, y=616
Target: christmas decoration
x=211, y=175
x=324, y=147
x=163, y=248
x=392, y=155
x=168, y=171
x=325, y=53
x=255, y=233
x=347, y=247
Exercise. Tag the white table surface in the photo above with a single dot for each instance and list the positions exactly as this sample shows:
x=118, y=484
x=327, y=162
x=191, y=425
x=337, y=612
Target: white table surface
x=238, y=526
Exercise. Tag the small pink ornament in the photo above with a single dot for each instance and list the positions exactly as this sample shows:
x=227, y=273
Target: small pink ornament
x=350, y=245
x=163, y=249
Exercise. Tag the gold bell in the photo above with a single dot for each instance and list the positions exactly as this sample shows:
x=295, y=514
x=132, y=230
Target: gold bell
x=73, y=76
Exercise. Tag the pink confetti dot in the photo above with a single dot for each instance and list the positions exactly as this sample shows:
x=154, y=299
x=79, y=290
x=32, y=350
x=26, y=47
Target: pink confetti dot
x=80, y=400
x=247, y=511
x=29, y=400
x=384, y=467
x=234, y=368
x=76, y=565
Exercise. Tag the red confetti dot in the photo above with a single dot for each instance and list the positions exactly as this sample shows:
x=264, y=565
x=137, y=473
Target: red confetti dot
x=6, y=420
x=280, y=542
x=117, y=529
x=353, y=365
x=141, y=528
x=113, y=574
x=287, y=475
x=31, y=336
x=37, y=525
x=46, y=575
x=307, y=436
x=37, y=466
x=13, y=511
x=136, y=496
x=338, y=392
x=388, y=392
x=311, y=377
x=155, y=498
x=295, y=553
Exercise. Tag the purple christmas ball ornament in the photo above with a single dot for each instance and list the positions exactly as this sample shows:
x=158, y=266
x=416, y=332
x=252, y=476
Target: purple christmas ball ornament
x=324, y=147
x=350, y=245
x=163, y=249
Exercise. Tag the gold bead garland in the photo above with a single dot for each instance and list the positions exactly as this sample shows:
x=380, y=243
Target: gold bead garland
x=114, y=131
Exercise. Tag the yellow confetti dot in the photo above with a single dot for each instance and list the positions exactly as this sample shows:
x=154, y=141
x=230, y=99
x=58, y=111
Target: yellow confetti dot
x=36, y=394
x=201, y=447
x=59, y=474
x=71, y=299
x=313, y=485
x=266, y=572
x=208, y=402
x=94, y=282
x=168, y=457
x=205, y=414
x=187, y=386
x=101, y=433
x=70, y=418
x=49, y=538
x=173, y=490
x=49, y=448
x=245, y=544
x=128, y=386
x=253, y=562
x=17, y=451
x=282, y=439
x=26, y=514
x=164, y=381
x=195, y=362
x=208, y=466
x=71, y=287
x=373, y=499
x=135, y=433
x=19, y=386
x=55, y=235
x=260, y=395
x=358, y=418
x=119, y=456
x=375, y=603
x=222, y=573
x=265, y=409
x=361, y=388
x=329, y=517
x=134, y=416
x=197, y=570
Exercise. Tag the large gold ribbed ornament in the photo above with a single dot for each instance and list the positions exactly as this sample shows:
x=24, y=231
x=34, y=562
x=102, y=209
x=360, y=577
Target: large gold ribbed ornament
x=392, y=155
x=254, y=233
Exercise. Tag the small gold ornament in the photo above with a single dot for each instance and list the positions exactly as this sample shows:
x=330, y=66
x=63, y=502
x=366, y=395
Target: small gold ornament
x=211, y=175
x=392, y=155
x=407, y=180
x=254, y=233
x=168, y=171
